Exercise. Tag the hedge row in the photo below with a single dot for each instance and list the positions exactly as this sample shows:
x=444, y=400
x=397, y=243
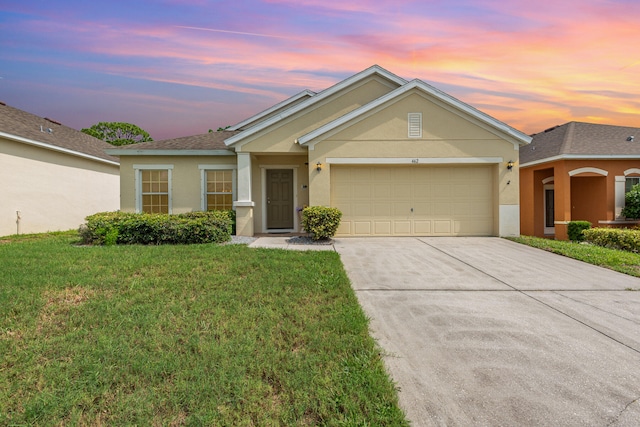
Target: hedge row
x=615, y=238
x=109, y=228
x=575, y=229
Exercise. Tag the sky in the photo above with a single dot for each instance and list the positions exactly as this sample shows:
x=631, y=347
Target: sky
x=181, y=67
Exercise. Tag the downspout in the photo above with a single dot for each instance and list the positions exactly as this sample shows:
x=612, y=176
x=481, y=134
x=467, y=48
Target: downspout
x=17, y=222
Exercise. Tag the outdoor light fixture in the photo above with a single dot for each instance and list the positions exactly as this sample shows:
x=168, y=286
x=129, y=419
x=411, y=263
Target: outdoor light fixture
x=318, y=166
x=510, y=164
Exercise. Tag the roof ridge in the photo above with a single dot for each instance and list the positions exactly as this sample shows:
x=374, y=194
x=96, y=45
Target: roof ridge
x=568, y=138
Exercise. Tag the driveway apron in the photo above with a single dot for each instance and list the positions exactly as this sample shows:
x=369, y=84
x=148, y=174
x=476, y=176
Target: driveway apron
x=485, y=331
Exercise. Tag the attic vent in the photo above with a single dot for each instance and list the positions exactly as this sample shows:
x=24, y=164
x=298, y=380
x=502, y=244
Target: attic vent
x=630, y=138
x=415, y=125
x=52, y=121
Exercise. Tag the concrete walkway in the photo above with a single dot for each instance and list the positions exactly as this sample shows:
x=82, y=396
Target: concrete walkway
x=282, y=242
x=484, y=331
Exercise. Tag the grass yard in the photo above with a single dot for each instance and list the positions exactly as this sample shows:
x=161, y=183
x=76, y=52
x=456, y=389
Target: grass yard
x=622, y=261
x=184, y=335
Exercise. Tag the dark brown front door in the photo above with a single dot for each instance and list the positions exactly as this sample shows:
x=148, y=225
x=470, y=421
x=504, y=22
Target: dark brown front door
x=279, y=199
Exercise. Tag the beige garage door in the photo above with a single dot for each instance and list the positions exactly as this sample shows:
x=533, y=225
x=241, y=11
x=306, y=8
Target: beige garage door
x=414, y=200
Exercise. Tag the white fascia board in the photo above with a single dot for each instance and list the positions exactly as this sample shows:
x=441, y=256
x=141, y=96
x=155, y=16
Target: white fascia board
x=582, y=157
x=412, y=160
x=294, y=98
x=120, y=152
x=375, y=69
x=438, y=94
x=58, y=149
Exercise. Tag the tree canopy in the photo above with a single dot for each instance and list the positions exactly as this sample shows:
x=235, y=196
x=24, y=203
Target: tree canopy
x=118, y=133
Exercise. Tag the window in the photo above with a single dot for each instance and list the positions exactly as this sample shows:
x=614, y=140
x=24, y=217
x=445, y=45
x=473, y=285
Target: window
x=415, y=125
x=629, y=182
x=153, y=188
x=219, y=185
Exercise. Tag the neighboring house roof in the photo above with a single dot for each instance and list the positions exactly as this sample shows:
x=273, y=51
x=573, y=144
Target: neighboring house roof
x=373, y=70
x=578, y=140
x=354, y=115
x=21, y=126
x=211, y=143
x=281, y=106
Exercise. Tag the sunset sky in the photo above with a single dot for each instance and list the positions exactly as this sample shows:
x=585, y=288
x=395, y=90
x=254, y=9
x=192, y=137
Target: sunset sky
x=181, y=67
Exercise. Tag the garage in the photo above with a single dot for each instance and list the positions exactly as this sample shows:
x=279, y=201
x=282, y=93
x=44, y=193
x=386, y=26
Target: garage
x=415, y=200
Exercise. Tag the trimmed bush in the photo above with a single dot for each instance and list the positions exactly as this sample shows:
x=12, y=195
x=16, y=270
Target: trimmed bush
x=614, y=238
x=320, y=221
x=632, y=203
x=575, y=229
x=108, y=228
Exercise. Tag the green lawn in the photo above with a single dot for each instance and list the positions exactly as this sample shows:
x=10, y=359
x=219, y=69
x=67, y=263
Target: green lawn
x=622, y=261
x=184, y=335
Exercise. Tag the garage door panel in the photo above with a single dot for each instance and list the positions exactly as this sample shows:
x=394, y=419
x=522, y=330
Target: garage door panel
x=422, y=227
x=414, y=200
x=362, y=228
x=442, y=227
x=402, y=228
x=382, y=228
x=383, y=210
x=362, y=209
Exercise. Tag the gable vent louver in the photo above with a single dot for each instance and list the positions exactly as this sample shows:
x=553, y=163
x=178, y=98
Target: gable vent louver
x=415, y=125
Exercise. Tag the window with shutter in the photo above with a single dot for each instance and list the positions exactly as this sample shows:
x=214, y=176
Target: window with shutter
x=415, y=125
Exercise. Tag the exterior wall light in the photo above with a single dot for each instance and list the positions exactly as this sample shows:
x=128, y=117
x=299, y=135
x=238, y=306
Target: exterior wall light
x=510, y=164
x=318, y=166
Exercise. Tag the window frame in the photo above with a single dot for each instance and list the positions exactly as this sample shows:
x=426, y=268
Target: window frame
x=138, y=169
x=203, y=183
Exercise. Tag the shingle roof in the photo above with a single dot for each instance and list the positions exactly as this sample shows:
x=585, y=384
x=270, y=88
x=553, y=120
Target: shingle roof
x=206, y=141
x=27, y=126
x=578, y=138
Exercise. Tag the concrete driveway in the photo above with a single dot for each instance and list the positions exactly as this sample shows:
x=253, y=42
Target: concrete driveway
x=484, y=331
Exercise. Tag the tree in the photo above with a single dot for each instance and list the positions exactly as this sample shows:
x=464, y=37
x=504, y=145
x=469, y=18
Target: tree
x=118, y=133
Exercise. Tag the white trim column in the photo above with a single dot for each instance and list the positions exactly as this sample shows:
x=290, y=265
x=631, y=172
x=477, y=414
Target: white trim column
x=244, y=205
x=619, y=195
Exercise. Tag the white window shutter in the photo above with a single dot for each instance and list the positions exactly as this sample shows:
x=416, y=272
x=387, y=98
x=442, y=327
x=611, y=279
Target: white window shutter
x=415, y=125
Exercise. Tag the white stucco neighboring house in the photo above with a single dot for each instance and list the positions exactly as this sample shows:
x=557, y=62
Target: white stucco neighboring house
x=51, y=176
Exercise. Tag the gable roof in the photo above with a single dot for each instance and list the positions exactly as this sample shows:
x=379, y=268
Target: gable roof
x=21, y=126
x=582, y=140
x=520, y=137
x=373, y=70
x=279, y=106
x=211, y=143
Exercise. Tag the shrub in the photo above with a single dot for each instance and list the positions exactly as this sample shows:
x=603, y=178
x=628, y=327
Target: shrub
x=614, y=238
x=632, y=203
x=108, y=228
x=320, y=221
x=575, y=229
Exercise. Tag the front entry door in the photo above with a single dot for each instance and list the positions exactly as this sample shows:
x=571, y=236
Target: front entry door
x=279, y=199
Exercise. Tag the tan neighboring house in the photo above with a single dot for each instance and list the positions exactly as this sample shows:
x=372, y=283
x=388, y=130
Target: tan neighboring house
x=397, y=157
x=51, y=176
x=577, y=171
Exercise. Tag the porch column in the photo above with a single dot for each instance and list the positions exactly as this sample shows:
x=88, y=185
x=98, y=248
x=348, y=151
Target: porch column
x=244, y=204
x=562, y=200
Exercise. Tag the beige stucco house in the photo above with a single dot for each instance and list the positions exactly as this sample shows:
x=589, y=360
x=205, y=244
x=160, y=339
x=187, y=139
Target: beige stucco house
x=51, y=176
x=397, y=157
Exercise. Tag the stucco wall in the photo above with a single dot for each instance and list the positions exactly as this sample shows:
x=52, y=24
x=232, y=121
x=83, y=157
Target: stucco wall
x=52, y=191
x=186, y=188
x=446, y=135
x=280, y=138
